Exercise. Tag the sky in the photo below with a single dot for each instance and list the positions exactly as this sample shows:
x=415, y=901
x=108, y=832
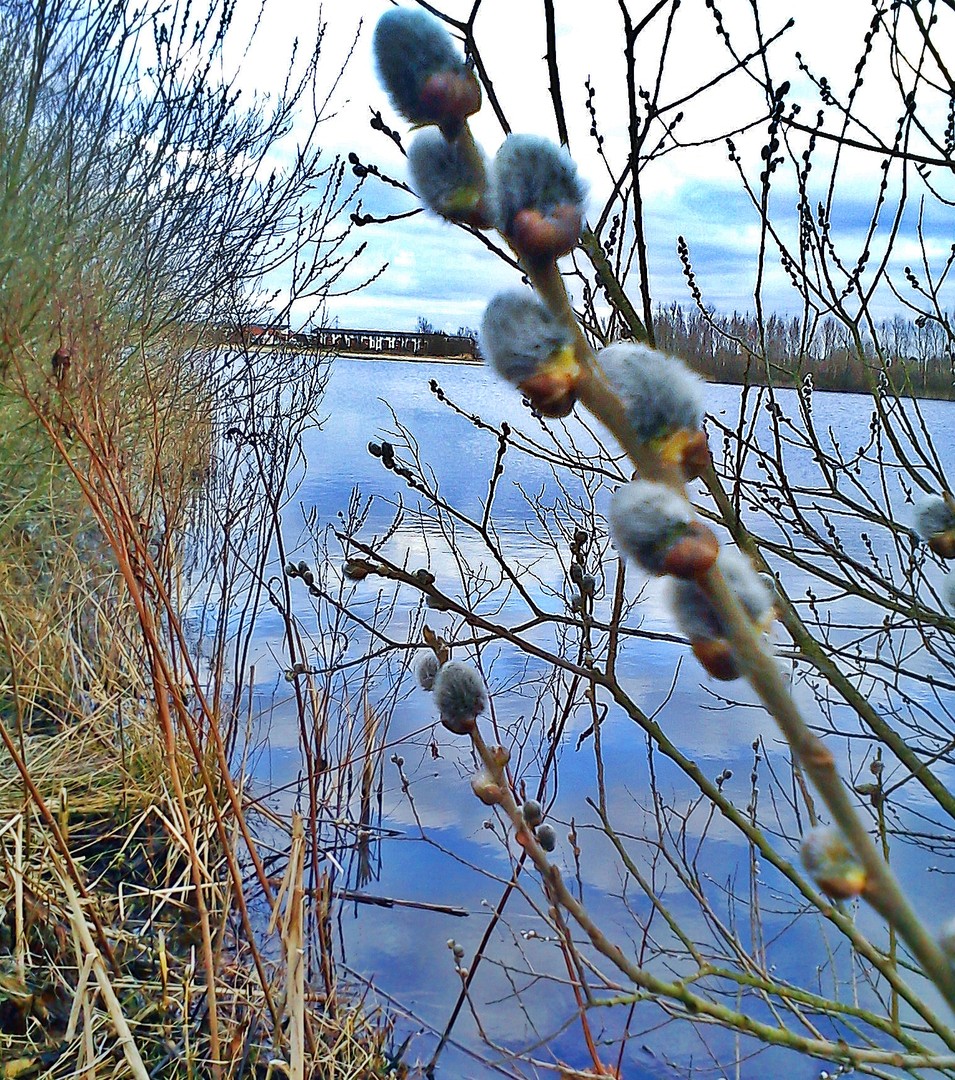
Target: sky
x=426, y=268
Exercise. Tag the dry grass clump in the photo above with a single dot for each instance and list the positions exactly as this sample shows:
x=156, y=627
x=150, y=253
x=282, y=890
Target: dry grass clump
x=107, y=983
x=129, y=874
x=128, y=869
x=87, y=769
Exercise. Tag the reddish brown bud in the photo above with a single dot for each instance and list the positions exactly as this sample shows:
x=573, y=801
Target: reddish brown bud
x=552, y=389
x=696, y=457
x=693, y=554
x=943, y=544
x=487, y=789
x=355, y=569
x=546, y=236
x=549, y=400
x=450, y=97
x=459, y=725
x=685, y=447
x=716, y=657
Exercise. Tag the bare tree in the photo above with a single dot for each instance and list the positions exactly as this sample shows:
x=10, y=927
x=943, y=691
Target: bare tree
x=868, y=639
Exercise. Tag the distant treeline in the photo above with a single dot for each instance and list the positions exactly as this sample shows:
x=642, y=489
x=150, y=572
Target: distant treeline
x=917, y=358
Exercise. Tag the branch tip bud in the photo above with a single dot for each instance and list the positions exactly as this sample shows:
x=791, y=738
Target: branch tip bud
x=831, y=863
x=420, y=68
x=460, y=696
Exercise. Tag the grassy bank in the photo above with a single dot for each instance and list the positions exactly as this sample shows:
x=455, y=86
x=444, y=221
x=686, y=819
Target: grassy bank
x=131, y=940
x=143, y=933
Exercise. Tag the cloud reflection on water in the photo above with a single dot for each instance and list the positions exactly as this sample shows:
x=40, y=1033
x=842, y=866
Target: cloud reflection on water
x=406, y=949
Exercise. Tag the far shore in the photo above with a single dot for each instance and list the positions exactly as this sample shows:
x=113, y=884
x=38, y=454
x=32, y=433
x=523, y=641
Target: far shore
x=471, y=361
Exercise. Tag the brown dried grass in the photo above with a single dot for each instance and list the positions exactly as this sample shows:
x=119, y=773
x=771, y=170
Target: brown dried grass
x=121, y=951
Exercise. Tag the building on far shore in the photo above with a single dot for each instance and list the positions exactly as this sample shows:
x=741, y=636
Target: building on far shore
x=394, y=342
x=354, y=342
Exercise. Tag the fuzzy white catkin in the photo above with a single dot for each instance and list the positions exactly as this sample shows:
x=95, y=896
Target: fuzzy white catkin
x=459, y=695
x=932, y=515
x=659, y=392
x=519, y=334
x=440, y=171
x=409, y=47
x=426, y=669
x=546, y=837
x=531, y=172
x=697, y=617
x=644, y=516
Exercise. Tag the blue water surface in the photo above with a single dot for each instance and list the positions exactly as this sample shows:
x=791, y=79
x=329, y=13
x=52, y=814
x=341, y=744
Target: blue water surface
x=430, y=840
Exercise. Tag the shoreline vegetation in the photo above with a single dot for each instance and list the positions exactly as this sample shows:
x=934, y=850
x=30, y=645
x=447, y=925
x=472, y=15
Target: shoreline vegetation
x=914, y=358
x=157, y=917
x=136, y=937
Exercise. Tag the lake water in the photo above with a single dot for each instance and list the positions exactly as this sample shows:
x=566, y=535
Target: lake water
x=429, y=840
